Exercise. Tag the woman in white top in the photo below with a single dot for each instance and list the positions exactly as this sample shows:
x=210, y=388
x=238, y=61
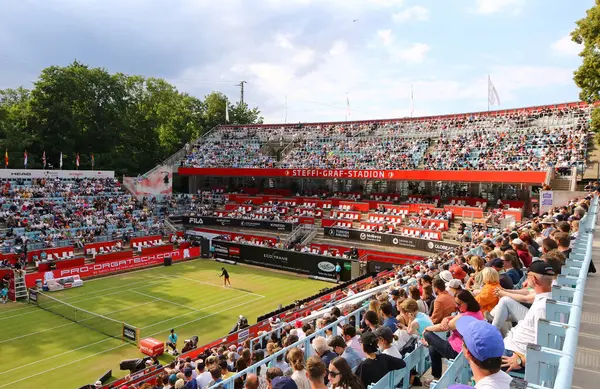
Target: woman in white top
x=296, y=358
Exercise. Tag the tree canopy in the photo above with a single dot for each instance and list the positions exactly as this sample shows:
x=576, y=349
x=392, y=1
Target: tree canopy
x=129, y=123
x=587, y=76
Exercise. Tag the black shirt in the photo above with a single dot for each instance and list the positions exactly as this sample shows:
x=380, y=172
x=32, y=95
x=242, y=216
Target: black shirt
x=371, y=371
x=225, y=274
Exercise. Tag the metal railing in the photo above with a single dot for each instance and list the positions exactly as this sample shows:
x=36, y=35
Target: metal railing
x=550, y=362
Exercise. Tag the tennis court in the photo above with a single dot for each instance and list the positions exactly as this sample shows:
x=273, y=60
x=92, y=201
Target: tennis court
x=42, y=349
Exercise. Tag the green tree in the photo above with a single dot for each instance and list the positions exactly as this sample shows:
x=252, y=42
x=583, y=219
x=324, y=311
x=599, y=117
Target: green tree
x=587, y=76
x=129, y=123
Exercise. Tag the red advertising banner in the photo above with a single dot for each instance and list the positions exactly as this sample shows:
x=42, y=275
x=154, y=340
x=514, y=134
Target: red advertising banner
x=500, y=176
x=117, y=265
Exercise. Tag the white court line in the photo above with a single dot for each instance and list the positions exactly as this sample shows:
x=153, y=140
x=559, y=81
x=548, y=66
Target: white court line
x=68, y=324
x=189, y=313
x=102, y=352
x=166, y=301
x=218, y=286
x=85, y=299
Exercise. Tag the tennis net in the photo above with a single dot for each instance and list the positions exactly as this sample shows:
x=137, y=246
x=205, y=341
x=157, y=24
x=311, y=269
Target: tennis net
x=94, y=321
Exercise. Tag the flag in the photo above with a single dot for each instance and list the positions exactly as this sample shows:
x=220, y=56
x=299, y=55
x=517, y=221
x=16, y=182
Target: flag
x=493, y=98
x=25, y=159
x=77, y=161
x=412, y=101
x=226, y=111
x=44, y=159
x=348, y=103
x=92, y=161
x=6, y=158
x=60, y=161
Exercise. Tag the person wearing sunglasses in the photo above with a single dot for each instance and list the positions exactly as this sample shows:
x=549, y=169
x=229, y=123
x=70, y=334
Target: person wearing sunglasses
x=341, y=376
x=439, y=348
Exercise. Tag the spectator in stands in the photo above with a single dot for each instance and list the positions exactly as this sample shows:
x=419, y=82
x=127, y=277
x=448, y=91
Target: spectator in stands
x=454, y=286
x=252, y=382
x=475, y=282
x=203, y=377
x=315, y=372
x=341, y=375
x=284, y=383
x=375, y=366
x=449, y=349
x=272, y=373
x=190, y=382
x=322, y=349
x=371, y=320
x=215, y=374
x=428, y=298
x=486, y=297
x=539, y=277
x=522, y=251
x=483, y=348
x=563, y=240
x=339, y=346
x=505, y=280
x=415, y=295
x=416, y=321
x=512, y=267
x=353, y=340
x=385, y=337
x=444, y=305
x=296, y=358
x=388, y=319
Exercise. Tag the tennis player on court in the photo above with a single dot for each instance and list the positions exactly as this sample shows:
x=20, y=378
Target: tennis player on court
x=225, y=276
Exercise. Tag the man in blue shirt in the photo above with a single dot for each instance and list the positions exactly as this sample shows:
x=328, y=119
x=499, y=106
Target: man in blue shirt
x=172, y=342
x=339, y=346
x=338, y=272
x=389, y=319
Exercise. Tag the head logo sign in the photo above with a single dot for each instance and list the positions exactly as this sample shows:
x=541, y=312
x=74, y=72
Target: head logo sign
x=326, y=266
x=363, y=236
x=430, y=245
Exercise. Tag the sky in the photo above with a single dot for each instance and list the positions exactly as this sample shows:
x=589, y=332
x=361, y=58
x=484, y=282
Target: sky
x=311, y=60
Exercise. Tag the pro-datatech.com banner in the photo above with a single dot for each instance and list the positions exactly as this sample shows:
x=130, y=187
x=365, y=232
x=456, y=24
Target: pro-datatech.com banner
x=432, y=246
x=227, y=222
x=297, y=262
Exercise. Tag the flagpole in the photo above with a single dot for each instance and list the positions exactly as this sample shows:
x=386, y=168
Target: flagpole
x=488, y=92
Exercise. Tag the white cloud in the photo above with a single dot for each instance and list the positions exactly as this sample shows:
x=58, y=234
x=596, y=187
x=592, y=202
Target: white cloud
x=492, y=6
x=385, y=36
x=414, y=53
x=566, y=47
x=388, y=3
x=416, y=13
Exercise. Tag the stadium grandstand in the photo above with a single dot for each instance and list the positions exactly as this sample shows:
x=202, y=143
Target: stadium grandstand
x=428, y=251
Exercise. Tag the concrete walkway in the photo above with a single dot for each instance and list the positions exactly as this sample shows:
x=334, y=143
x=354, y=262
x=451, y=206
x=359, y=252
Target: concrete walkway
x=587, y=364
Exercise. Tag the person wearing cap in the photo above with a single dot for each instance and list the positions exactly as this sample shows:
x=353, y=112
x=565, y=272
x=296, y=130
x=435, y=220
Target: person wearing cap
x=522, y=252
x=505, y=280
x=539, y=277
x=440, y=348
x=458, y=272
x=98, y=384
x=454, y=286
x=283, y=383
x=548, y=224
x=339, y=346
x=190, y=382
x=375, y=366
x=483, y=348
x=385, y=338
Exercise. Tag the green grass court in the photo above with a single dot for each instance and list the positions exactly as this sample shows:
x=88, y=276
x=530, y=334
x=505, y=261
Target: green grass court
x=39, y=349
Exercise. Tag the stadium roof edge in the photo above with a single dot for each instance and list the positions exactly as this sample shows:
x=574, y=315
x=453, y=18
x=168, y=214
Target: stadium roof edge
x=579, y=104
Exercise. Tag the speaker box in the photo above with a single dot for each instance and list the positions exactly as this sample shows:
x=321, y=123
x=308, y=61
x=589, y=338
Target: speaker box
x=168, y=261
x=204, y=248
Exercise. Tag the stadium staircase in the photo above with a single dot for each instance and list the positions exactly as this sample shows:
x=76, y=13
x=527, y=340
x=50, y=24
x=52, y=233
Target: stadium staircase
x=561, y=184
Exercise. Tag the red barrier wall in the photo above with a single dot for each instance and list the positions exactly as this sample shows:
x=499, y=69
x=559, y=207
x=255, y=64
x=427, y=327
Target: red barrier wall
x=113, y=256
x=157, y=249
x=465, y=211
x=143, y=239
x=56, y=250
x=123, y=264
